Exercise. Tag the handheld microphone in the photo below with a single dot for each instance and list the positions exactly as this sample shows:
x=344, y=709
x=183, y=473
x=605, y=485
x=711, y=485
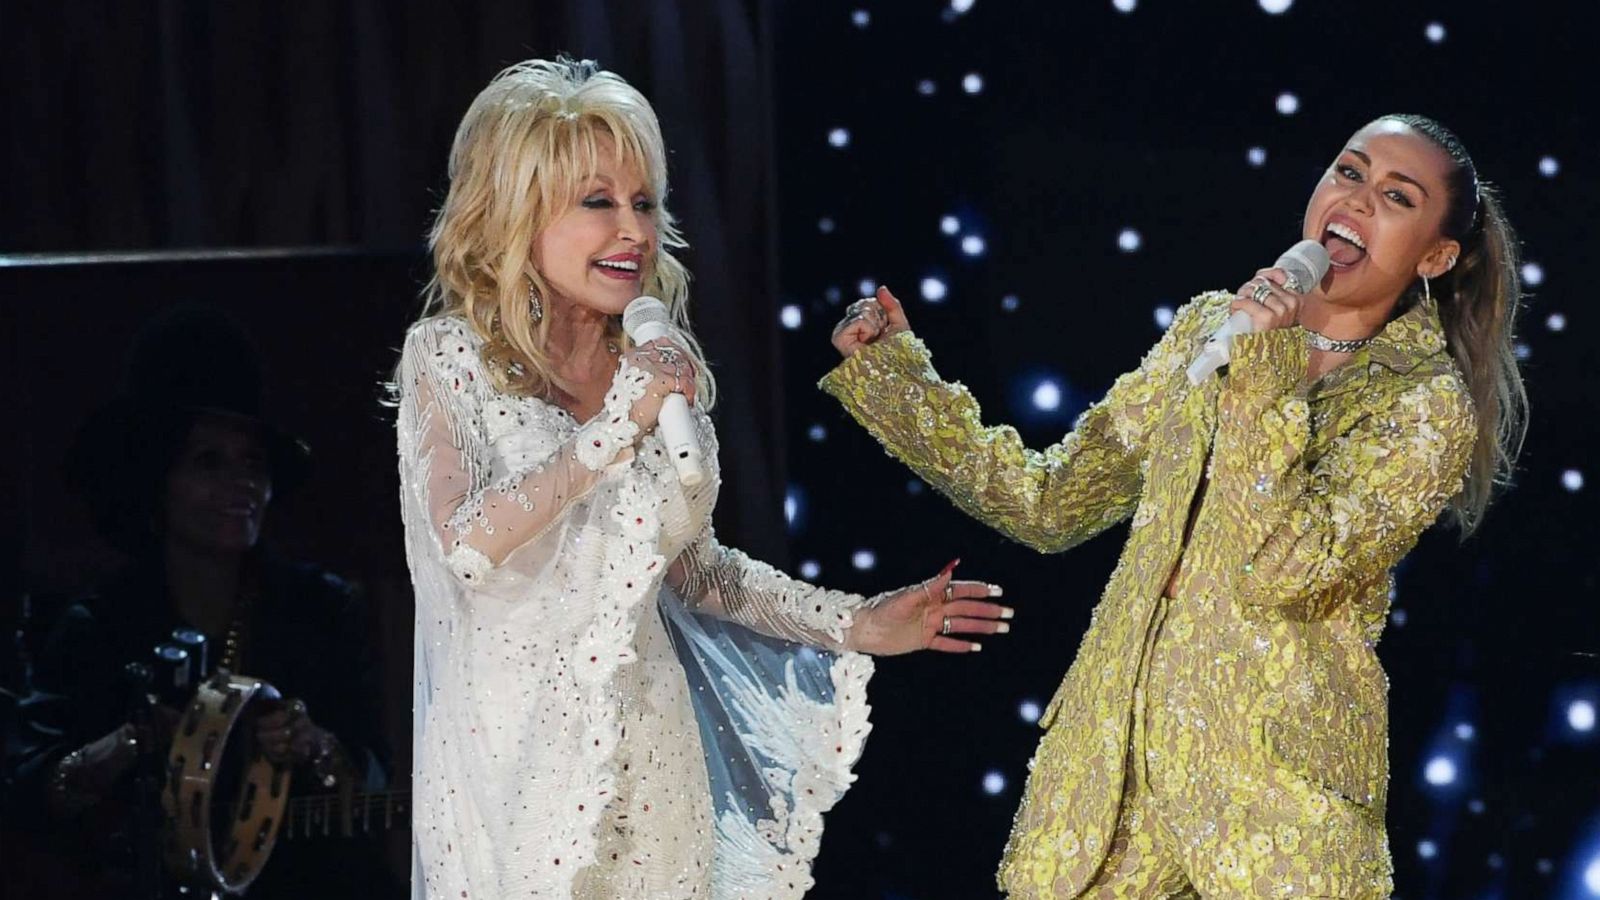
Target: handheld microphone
x=1306, y=262
x=646, y=320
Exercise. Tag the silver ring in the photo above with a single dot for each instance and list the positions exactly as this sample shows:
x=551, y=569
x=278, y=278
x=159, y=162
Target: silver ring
x=945, y=628
x=949, y=592
x=669, y=356
x=1262, y=291
x=869, y=308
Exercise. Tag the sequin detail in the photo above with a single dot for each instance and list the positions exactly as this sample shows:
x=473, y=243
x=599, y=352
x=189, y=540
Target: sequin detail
x=557, y=740
x=1254, y=701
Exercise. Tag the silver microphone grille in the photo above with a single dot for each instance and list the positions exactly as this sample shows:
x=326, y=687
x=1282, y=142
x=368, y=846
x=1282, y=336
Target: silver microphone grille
x=1306, y=262
x=643, y=311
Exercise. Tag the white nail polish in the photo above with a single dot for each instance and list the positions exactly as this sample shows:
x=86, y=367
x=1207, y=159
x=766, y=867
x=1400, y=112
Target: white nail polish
x=1003, y=628
x=996, y=590
x=977, y=648
x=1007, y=612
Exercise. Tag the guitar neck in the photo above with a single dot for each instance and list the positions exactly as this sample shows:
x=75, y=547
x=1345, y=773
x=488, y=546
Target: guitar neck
x=323, y=815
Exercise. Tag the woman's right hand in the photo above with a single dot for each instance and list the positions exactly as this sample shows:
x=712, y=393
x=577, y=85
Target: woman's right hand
x=868, y=321
x=671, y=370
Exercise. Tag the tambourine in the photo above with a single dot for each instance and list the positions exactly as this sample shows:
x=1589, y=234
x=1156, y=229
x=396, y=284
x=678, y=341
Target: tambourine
x=221, y=847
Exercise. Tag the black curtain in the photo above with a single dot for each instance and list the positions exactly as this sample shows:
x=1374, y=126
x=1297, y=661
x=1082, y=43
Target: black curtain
x=169, y=124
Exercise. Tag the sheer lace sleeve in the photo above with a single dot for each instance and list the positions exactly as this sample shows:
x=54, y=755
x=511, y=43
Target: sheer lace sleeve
x=723, y=582
x=480, y=516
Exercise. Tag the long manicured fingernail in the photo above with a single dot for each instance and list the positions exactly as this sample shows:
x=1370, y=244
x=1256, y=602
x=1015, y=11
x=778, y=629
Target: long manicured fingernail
x=1007, y=612
x=977, y=648
x=951, y=566
x=1003, y=628
x=996, y=590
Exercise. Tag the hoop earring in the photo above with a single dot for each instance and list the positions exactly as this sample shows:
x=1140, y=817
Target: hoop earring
x=535, y=305
x=1427, y=293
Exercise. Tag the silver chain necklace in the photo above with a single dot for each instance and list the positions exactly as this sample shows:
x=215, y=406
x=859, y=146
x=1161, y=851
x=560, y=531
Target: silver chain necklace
x=1323, y=342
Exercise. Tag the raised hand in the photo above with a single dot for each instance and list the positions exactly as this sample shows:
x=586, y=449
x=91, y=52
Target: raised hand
x=869, y=320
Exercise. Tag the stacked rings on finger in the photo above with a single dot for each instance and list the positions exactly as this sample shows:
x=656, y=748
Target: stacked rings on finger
x=945, y=628
x=1261, y=292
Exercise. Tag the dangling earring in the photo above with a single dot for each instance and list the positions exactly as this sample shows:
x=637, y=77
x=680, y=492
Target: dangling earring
x=1427, y=293
x=535, y=305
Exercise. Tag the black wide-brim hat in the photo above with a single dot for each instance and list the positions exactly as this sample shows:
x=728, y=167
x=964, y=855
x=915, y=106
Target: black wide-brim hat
x=189, y=364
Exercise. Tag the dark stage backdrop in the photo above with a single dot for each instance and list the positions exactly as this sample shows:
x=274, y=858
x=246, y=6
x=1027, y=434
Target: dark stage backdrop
x=188, y=125
x=1043, y=183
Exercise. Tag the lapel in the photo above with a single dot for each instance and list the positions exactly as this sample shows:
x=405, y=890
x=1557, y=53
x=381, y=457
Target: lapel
x=1401, y=346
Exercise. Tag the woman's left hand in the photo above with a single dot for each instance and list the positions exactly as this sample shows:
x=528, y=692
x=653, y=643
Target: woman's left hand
x=1265, y=300
x=926, y=616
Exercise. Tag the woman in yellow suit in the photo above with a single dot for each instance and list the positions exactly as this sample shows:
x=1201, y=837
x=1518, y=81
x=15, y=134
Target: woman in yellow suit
x=1223, y=729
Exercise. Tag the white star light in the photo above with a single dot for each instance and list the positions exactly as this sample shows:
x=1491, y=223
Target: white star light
x=949, y=225
x=961, y=6
x=1029, y=711
x=1521, y=350
x=1581, y=716
x=914, y=487
x=861, y=18
x=993, y=782
x=1129, y=240
x=972, y=83
x=825, y=225
x=809, y=570
x=1440, y=771
x=791, y=506
x=1427, y=849
x=1398, y=617
x=1591, y=877
x=1476, y=806
x=1434, y=32
x=817, y=433
x=867, y=286
x=1572, y=480
x=1465, y=731
x=1047, y=396
x=1010, y=302
x=1164, y=316
x=1549, y=166
x=790, y=316
x=1556, y=322
x=926, y=87
x=1288, y=104
x=933, y=290
x=1256, y=156
x=973, y=245
x=839, y=137
x=1124, y=6
x=865, y=560
x=1532, y=274
x=1276, y=7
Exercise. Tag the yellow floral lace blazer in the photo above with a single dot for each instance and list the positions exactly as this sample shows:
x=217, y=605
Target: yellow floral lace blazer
x=1315, y=492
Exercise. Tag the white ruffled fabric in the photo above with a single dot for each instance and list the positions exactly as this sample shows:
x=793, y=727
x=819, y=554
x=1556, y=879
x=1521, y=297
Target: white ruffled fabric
x=580, y=731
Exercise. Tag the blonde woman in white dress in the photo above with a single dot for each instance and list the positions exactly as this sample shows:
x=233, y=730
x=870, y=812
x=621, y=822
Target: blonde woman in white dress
x=608, y=702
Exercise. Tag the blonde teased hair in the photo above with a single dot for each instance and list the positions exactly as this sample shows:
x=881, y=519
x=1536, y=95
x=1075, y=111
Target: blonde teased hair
x=521, y=156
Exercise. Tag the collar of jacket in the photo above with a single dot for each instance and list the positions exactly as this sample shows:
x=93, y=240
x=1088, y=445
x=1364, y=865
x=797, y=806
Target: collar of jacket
x=1401, y=346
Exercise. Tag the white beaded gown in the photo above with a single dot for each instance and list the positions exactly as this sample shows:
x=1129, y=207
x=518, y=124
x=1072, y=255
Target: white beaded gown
x=583, y=730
